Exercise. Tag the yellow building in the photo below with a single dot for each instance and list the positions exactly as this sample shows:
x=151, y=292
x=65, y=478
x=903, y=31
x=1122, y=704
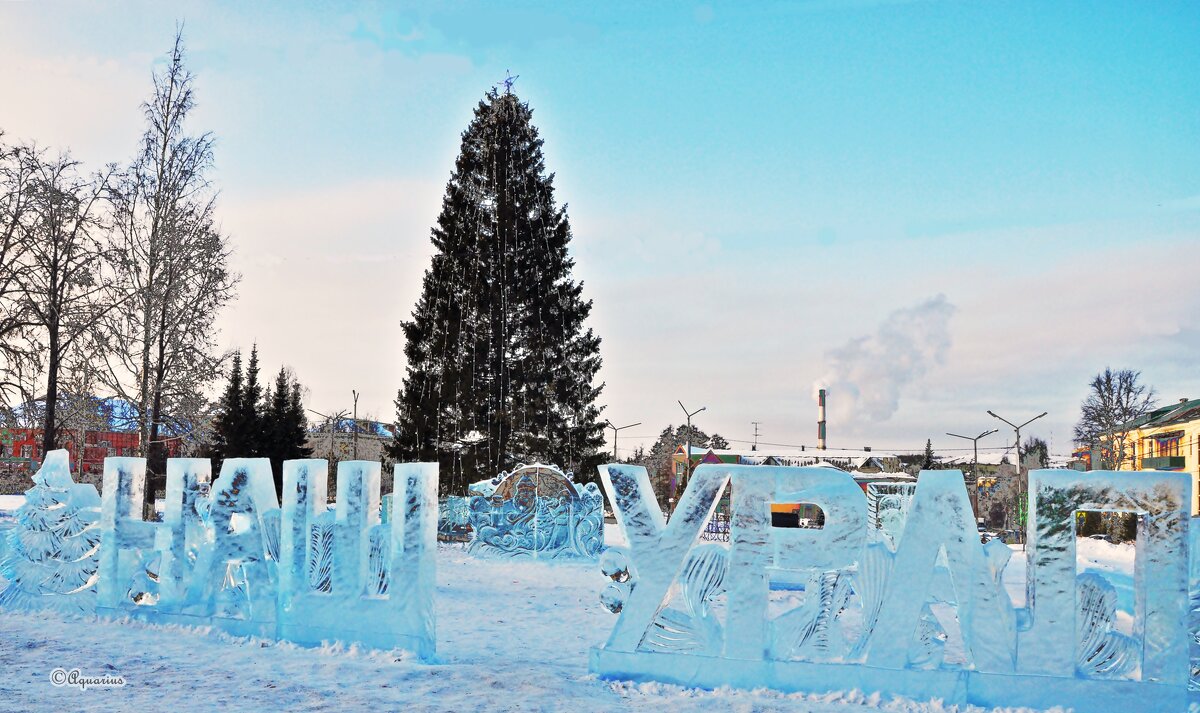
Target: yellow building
x=1167, y=439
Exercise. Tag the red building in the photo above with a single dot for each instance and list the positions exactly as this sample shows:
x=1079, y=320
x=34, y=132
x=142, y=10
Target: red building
x=21, y=448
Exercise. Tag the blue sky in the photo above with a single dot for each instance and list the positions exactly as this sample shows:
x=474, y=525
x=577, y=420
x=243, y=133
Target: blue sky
x=764, y=196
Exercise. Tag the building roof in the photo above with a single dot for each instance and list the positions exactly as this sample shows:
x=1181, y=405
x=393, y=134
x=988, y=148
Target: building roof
x=842, y=459
x=1178, y=412
x=377, y=429
x=985, y=458
x=814, y=453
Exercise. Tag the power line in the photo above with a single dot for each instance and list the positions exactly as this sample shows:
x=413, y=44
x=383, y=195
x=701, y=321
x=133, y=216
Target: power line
x=813, y=447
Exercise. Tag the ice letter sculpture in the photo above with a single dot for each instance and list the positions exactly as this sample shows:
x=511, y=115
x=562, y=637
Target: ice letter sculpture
x=345, y=575
x=536, y=511
x=1161, y=500
x=226, y=555
x=208, y=562
x=51, y=558
x=867, y=604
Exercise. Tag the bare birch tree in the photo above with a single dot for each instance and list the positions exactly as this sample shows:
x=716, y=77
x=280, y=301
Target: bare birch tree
x=18, y=346
x=62, y=287
x=1114, y=399
x=159, y=352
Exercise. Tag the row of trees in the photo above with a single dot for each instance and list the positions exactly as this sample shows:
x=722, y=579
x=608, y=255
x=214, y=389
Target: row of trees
x=257, y=422
x=110, y=280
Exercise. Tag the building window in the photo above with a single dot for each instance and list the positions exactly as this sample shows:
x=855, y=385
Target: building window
x=1168, y=446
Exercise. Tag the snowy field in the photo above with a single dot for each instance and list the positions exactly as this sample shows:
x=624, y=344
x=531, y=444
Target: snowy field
x=511, y=636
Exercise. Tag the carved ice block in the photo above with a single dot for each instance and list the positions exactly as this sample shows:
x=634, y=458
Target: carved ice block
x=657, y=548
x=304, y=498
x=940, y=518
x=383, y=575
x=759, y=551
x=1162, y=501
x=183, y=532
x=124, y=535
x=233, y=578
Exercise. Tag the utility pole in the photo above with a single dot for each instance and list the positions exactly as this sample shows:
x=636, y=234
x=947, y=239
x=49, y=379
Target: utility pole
x=615, y=432
x=355, y=394
x=756, y=425
x=1022, y=476
x=973, y=483
x=687, y=458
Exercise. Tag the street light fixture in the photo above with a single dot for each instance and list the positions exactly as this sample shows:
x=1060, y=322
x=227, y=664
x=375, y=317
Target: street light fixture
x=355, y=394
x=1022, y=486
x=687, y=457
x=972, y=485
x=617, y=430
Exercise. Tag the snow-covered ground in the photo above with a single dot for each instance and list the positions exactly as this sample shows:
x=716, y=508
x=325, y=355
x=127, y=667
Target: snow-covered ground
x=9, y=505
x=511, y=636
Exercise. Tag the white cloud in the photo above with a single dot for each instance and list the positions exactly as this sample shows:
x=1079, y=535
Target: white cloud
x=867, y=375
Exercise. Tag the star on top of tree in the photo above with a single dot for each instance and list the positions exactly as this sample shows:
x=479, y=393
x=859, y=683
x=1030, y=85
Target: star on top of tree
x=508, y=80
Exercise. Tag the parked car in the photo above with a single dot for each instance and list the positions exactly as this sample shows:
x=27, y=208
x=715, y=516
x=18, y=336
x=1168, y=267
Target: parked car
x=1100, y=536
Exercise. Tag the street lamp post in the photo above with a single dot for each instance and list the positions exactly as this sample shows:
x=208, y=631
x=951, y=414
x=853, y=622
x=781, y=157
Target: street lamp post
x=972, y=485
x=615, y=431
x=687, y=457
x=355, y=394
x=1021, y=475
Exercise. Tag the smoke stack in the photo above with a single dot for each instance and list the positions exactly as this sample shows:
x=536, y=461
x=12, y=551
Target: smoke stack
x=821, y=419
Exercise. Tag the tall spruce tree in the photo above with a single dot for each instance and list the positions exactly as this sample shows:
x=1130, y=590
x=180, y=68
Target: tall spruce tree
x=501, y=366
x=228, y=430
x=298, y=423
x=251, y=418
x=241, y=428
x=284, y=432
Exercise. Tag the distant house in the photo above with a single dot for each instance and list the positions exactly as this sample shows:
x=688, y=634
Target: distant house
x=865, y=467
x=864, y=462
x=336, y=441
x=1167, y=438
x=21, y=452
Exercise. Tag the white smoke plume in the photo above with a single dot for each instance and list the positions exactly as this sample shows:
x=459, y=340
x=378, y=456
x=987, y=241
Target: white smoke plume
x=867, y=375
